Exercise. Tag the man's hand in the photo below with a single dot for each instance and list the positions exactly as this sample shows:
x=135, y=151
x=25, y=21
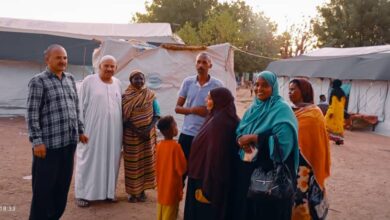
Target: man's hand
x=40, y=151
x=179, y=107
x=199, y=110
x=83, y=139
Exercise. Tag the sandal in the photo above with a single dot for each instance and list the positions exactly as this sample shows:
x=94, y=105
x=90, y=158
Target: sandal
x=142, y=197
x=111, y=200
x=132, y=199
x=82, y=203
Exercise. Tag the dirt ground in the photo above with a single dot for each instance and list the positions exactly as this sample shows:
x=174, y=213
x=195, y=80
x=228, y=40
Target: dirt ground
x=359, y=186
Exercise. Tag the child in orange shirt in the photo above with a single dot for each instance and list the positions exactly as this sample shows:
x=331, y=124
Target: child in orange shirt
x=171, y=164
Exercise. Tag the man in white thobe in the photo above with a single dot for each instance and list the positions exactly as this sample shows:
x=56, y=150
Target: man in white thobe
x=98, y=161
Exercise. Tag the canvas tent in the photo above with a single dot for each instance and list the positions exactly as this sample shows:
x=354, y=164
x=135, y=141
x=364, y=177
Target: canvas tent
x=365, y=69
x=166, y=66
x=22, y=43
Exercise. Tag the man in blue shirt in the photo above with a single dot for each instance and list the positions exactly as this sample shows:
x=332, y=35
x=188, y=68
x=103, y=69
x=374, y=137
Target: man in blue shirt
x=191, y=101
x=54, y=127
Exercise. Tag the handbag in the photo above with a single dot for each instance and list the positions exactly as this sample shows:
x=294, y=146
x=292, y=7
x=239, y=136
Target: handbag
x=318, y=201
x=274, y=184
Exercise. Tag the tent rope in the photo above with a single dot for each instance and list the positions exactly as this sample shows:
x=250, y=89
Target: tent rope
x=253, y=54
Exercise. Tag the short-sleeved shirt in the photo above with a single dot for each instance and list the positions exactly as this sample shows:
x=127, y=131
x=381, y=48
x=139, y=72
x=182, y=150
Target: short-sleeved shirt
x=171, y=164
x=195, y=95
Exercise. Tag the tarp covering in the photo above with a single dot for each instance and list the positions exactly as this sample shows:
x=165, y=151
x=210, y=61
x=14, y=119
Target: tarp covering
x=165, y=69
x=320, y=86
x=25, y=40
x=15, y=76
x=367, y=97
x=384, y=128
x=30, y=47
x=371, y=63
x=365, y=72
x=148, y=32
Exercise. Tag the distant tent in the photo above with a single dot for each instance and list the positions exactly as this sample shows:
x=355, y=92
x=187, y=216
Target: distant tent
x=22, y=43
x=365, y=69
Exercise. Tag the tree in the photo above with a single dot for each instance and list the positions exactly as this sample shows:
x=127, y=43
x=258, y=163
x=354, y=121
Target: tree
x=237, y=24
x=296, y=41
x=207, y=22
x=285, y=40
x=353, y=23
x=257, y=35
x=189, y=34
x=176, y=12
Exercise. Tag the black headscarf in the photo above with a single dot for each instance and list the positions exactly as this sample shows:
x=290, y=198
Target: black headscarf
x=212, y=150
x=336, y=90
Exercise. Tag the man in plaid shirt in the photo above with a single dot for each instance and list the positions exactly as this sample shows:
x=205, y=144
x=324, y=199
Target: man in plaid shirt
x=54, y=128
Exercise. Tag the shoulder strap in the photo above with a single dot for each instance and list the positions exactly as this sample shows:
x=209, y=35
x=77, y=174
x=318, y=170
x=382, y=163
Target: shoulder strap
x=277, y=147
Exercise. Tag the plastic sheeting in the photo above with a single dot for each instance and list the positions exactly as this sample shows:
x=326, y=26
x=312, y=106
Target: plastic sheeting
x=368, y=97
x=365, y=97
x=15, y=76
x=166, y=69
x=148, y=32
x=320, y=86
x=384, y=127
x=361, y=63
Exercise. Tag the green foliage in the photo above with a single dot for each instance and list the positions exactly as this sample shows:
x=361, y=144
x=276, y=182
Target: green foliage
x=353, y=23
x=219, y=28
x=176, y=12
x=189, y=34
x=208, y=22
x=238, y=25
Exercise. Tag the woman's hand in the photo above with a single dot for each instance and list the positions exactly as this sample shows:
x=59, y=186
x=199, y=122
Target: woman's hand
x=246, y=140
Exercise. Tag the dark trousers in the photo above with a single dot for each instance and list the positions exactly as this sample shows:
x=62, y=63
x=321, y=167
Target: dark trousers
x=185, y=141
x=51, y=179
x=193, y=209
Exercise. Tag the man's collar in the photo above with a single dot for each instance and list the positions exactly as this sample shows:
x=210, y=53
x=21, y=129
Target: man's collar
x=208, y=78
x=51, y=74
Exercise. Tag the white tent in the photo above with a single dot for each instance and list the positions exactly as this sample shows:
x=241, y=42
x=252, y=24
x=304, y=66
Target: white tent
x=148, y=32
x=365, y=69
x=22, y=43
x=165, y=67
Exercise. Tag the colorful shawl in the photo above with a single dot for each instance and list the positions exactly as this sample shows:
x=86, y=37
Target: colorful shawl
x=313, y=141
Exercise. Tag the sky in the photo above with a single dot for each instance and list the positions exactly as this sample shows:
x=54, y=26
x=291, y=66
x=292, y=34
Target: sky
x=283, y=12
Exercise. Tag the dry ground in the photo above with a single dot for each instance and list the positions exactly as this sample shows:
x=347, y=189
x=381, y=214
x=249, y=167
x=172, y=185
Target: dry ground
x=359, y=187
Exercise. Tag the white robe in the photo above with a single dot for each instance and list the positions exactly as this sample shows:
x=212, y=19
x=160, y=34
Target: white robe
x=97, y=163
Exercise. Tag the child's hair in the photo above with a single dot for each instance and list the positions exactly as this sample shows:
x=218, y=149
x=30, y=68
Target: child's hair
x=322, y=96
x=165, y=123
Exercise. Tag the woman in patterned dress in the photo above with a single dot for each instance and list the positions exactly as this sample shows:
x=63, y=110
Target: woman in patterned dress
x=140, y=114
